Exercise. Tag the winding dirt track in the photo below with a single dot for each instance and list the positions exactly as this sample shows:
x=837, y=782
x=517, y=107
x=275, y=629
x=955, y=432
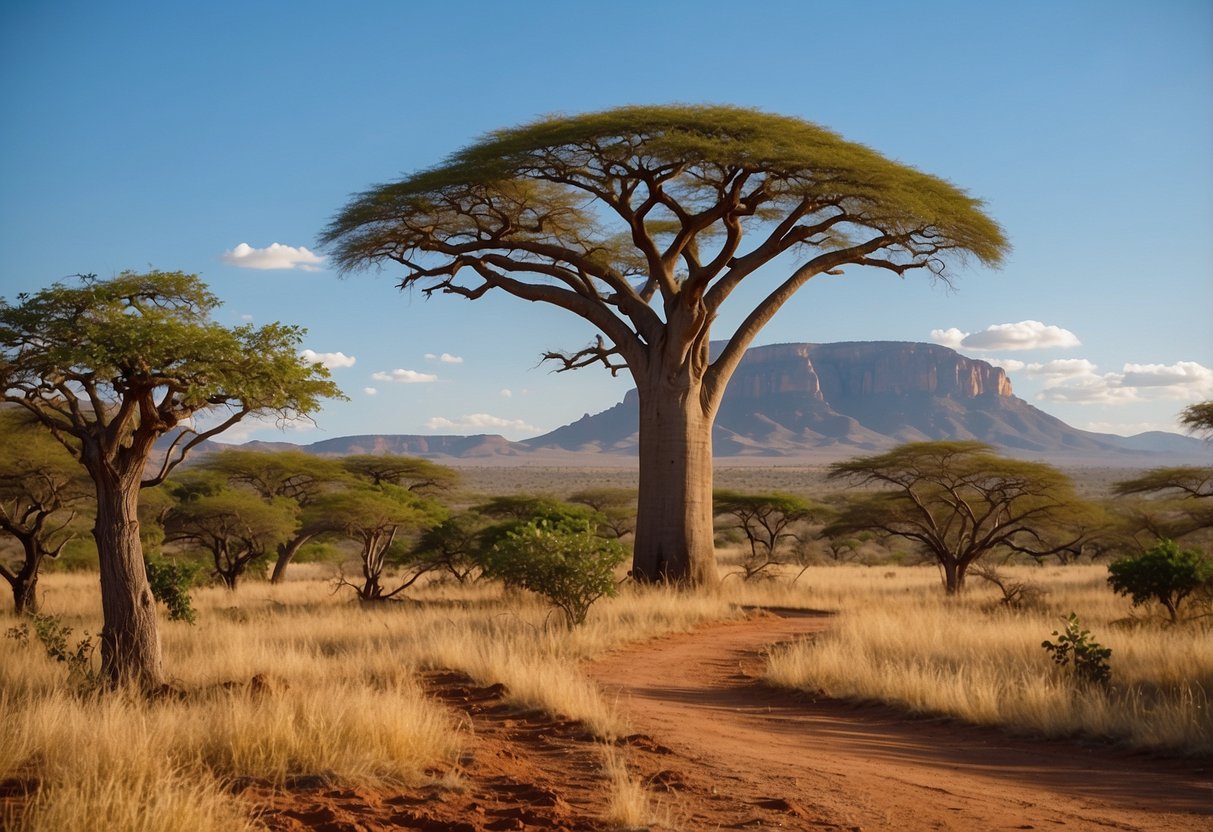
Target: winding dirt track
x=839, y=766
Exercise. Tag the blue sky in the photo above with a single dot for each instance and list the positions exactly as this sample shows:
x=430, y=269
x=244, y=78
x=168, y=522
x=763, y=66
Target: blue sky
x=196, y=136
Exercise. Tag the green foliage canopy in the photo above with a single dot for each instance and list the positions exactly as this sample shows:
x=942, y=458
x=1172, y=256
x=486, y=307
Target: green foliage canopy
x=123, y=361
x=1163, y=574
x=960, y=501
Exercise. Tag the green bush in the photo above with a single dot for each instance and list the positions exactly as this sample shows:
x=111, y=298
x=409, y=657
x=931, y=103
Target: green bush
x=567, y=563
x=53, y=635
x=171, y=581
x=1163, y=574
x=1076, y=649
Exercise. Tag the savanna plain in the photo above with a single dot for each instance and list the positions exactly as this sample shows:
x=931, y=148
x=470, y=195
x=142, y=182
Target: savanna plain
x=471, y=706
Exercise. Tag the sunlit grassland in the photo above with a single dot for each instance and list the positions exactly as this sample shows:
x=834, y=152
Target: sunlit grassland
x=277, y=683
x=337, y=692
x=897, y=640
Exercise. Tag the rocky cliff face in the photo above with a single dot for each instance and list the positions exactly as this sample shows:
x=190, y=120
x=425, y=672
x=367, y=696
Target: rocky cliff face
x=830, y=372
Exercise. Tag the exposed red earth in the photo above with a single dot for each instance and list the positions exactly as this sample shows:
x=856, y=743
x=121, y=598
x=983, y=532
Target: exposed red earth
x=719, y=750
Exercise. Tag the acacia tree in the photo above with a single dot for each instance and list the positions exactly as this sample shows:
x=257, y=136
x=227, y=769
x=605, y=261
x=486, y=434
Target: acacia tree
x=293, y=475
x=373, y=517
x=421, y=476
x=960, y=501
x=236, y=527
x=644, y=221
x=110, y=367
x=766, y=520
x=1198, y=418
x=43, y=493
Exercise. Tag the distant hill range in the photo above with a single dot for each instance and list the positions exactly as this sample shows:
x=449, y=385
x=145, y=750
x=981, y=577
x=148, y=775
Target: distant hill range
x=822, y=402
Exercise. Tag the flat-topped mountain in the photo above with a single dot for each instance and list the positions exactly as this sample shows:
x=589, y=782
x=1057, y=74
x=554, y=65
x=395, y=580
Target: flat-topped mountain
x=829, y=401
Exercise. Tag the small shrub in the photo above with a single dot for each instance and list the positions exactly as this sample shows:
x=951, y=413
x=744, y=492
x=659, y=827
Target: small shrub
x=1163, y=574
x=567, y=563
x=1075, y=649
x=53, y=635
x=1016, y=595
x=170, y=582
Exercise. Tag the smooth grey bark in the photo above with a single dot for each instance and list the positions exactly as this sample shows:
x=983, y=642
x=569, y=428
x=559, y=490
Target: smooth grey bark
x=674, y=535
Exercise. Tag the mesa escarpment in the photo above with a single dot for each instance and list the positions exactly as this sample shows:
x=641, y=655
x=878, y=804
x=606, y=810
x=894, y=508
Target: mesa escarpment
x=830, y=372
x=824, y=401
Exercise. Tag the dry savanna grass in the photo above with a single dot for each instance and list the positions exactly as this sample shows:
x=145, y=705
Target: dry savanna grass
x=285, y=682
x=897, y=640
x=291, y=681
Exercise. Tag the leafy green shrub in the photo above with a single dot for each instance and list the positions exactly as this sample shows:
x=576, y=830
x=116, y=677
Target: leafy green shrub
x=1084, y=655
x=567, y=563
x=1163, y=574
x=53, y=635
x=170, y=582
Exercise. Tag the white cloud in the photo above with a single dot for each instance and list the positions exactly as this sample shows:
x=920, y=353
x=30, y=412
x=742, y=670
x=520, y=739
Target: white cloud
x=1025, y=335
x=275, y=256
x=1188, y=376
x=1089, y=390
x=505, y=392
x=370, y=391
x=1057, y=371
x=247, y=318
x=445, y=358
x=332, y=360
x=948, y=337
x=479, y=421
x=405, y=376
x=1076, y=381
x=1008, y=364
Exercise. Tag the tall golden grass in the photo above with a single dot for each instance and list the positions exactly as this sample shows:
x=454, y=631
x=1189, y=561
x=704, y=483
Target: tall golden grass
x=336, y=693
x=897, y=640
x=291, y=681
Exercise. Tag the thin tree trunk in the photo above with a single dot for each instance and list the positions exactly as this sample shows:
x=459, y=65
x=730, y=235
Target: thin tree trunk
x=674, y=533
x=286, y=553
x=130, y=640
x=25, y=581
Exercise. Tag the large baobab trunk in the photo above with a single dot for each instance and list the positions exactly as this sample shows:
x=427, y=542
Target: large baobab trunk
x=130, y=641
x=674, y=532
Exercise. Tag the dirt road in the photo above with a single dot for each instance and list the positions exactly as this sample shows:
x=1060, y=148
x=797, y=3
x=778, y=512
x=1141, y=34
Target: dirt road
x=830, y=765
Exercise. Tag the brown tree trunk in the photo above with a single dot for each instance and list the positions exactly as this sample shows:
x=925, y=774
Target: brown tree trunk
x=130, y=640
x=674, y=532
x=25, y=581
x=953, y=576
x=286, y=553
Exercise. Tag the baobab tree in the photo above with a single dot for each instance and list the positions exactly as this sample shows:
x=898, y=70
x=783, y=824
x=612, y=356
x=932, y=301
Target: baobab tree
x=643, y=221
x=112, y=367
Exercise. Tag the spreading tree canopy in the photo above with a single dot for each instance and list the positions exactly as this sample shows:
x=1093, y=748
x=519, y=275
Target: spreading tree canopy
x=960, y=501
x=644, y=220
x=112, y=367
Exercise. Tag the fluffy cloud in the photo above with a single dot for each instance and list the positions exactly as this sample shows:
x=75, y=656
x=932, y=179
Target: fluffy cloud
x=275, y=256
x=479, y=421
x=405, y=376
x=370, y=391
x=1053, y=372
x=332, y=360
x=1025, y=335
x=1184, y=374
x=948, y=337
x=1008, y=364
x=1076, y=381
x=505, y=392
x=445, y=358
